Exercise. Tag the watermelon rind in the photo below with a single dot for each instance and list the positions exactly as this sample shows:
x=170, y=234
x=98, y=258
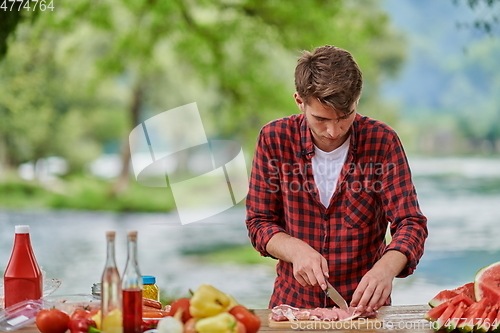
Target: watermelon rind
x=434, y=313
x=496, y=323
x=489, y=320
x=477, y=289
x=478, y=292
x=466, y=326
x=445, y=295
x=442, y=297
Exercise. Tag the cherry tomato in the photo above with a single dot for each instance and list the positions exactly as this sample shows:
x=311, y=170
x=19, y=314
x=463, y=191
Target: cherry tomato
x=246, y=317
x=181, y=303
x=52, y=321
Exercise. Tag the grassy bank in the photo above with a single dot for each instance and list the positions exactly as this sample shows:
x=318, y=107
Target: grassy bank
x=237, y=254
x=85, y=193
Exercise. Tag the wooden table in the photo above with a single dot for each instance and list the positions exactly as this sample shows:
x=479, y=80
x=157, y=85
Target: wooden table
x=395, y=319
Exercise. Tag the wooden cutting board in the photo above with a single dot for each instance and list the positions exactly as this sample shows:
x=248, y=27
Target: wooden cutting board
x=358, y=323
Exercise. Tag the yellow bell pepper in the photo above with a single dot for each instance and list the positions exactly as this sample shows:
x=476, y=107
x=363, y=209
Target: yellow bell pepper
x=232, y=302
x=208, y=301
x=222, y=323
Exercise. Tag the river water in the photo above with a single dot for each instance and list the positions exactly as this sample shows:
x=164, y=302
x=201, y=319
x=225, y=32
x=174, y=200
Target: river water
x=460, y=197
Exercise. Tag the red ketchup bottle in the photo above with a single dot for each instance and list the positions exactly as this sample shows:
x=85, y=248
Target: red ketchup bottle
x=22, y=279
x=132, y=288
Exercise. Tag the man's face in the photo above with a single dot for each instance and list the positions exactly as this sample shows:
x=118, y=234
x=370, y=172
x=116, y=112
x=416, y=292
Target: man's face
x=329, y=128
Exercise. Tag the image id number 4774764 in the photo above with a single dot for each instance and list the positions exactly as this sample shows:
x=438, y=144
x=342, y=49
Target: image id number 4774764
x=27, y=5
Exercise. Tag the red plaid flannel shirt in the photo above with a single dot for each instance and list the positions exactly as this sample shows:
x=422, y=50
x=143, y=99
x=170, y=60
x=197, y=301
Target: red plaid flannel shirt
x=374, y=189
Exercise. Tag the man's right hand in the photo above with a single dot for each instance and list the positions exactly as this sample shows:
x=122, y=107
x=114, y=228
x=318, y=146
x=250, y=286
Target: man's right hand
x=309, y=266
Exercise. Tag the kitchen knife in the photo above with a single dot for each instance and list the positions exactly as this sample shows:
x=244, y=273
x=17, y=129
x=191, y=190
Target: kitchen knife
x=335, y=296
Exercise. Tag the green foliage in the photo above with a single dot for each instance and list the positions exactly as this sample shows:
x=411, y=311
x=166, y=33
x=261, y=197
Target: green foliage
x=488, y=20
x=462, y=116
x=46, y=111
x=21, y=194
x=240, y=53
x=70, y=79
x=83, y=193
x=241, y=255
x=88, y=193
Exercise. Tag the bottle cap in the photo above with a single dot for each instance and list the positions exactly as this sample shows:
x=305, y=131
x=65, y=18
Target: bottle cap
x=22, y=229
x=148, y=279
x=132, y=235
x=110, y=236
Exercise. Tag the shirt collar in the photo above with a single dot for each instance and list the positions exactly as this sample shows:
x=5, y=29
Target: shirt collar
x=307, y=145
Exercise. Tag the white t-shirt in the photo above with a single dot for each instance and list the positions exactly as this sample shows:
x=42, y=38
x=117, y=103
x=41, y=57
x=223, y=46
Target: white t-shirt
x=326, y=170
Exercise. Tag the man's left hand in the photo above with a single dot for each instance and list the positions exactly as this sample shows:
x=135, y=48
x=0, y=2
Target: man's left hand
x=376, y=285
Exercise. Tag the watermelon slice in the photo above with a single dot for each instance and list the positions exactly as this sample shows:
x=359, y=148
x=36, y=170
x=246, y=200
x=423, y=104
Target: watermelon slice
x=471, y=315
x=455, y=317
x=482, y=318
x=444, y=319
x=467, y=289
x=489, y=320
x=434, y=313
x=495, y=326
x=487, y=283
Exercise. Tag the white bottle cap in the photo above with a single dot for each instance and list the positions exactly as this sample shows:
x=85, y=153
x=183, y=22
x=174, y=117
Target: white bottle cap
x=22, y=229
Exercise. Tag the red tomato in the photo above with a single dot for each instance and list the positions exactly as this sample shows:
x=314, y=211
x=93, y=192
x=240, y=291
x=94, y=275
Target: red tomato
x=93, y=312
x=240, y=328
x=246, y=317
x=149, y=323
x=52, y=321
x=181, y=304
x=80, y=314
x=189, y=326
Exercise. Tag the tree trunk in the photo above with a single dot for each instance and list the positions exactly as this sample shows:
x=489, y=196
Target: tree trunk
x=123, y=178
x=6, y=168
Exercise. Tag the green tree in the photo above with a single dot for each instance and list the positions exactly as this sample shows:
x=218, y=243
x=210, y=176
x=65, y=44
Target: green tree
x=45, y=111
x=487, y=15
x=235, y=58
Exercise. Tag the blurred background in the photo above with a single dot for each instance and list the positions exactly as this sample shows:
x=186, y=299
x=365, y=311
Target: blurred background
x=76, y=77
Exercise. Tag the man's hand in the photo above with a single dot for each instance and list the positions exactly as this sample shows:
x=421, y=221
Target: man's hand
x=376, y=286
x=309, y=266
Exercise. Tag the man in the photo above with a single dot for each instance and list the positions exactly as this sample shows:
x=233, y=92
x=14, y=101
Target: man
x=324, y=186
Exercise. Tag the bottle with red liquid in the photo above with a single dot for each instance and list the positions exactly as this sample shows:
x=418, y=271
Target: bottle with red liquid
x=23, y=278
x=132, y=288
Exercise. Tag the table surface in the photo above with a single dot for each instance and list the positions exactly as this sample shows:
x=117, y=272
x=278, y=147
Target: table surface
x=395, y=319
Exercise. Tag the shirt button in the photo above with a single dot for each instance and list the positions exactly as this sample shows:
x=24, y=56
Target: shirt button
x=326, y=217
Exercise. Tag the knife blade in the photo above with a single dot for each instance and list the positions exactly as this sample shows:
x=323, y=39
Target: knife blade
x=335, y=296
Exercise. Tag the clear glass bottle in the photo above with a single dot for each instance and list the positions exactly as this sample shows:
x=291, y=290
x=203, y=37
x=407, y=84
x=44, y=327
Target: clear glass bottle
x=111, y=291
x=22, y=278
x=132, y=288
